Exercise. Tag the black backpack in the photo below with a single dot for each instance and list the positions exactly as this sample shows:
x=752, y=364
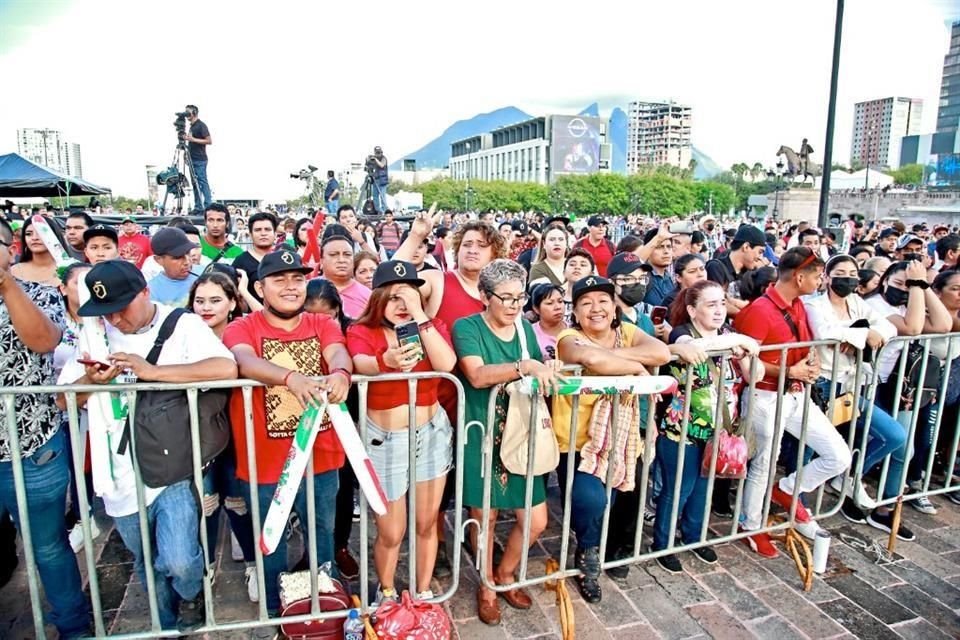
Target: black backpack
x=930, y=385
x=162, y=420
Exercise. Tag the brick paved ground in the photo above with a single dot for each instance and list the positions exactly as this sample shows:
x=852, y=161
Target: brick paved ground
x=744, y=596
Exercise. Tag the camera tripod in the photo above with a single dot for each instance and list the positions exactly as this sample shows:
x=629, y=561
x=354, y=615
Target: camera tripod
x=177, y=187
x=313, y=186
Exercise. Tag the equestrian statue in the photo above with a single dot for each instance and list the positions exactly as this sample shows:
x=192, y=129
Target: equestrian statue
x=799, y=164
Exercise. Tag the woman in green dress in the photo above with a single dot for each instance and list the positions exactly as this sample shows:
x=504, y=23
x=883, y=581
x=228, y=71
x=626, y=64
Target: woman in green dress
x=489, y=353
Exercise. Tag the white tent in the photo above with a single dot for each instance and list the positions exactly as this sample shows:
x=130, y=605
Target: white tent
x=843, y=181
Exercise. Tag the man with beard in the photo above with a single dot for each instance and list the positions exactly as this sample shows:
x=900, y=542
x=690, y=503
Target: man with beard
x=336, y=258
x=263, y=237
x=215, y=245
x=171, y=249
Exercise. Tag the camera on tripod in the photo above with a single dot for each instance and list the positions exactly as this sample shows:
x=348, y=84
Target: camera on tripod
x=304, y=174
x=180, y=124
x=370, y=164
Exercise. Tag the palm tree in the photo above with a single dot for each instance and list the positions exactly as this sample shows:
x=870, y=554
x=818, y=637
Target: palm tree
x=757, y=171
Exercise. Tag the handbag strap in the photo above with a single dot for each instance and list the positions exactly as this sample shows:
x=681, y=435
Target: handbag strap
x=715, y=371
x=522, y=336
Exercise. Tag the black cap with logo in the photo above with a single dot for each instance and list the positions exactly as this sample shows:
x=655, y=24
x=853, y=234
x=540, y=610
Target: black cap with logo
x=396, y=272
x=113, y=285
x=625, y=263
x=280, y=262
x=590, y=284
x=596, y=221
x=101, y=230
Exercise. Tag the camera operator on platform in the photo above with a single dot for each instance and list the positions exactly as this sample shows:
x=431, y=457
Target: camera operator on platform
x=378, y=163
x=198, y=138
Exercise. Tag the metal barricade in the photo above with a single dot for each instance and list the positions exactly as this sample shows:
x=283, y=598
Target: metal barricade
x=245, y=388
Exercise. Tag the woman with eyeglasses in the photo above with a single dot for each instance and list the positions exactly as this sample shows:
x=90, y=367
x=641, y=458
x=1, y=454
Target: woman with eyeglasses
x=490, y=353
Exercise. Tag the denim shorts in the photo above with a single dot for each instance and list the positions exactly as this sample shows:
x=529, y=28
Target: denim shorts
x=389, y=453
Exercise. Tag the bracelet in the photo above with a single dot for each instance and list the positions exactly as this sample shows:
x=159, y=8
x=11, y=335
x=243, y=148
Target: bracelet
x=423, y=326
x=923, y=284
x=287, y=377
x=517, y=366
x=344, y=372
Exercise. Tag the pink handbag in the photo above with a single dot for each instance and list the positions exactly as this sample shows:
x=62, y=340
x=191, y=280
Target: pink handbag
x=411, y=619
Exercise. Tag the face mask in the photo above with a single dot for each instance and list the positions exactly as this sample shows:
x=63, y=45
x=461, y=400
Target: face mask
x=710, y=226
x=283, y=315
x=634, y=294
x=895, y=297
x=844, y=286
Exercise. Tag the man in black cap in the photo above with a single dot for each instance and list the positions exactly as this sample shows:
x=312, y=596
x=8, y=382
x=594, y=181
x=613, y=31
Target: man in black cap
x=100, y=243
x=171, y=249
x=597, y=244
x=887, y=245
x=631, y=279
x=192, y=353
x=745, y=253
x=285, y=348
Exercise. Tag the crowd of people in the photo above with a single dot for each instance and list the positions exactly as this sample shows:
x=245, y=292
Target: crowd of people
x=302, y=305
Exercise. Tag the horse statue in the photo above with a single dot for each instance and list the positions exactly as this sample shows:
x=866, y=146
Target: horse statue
x=799, y=166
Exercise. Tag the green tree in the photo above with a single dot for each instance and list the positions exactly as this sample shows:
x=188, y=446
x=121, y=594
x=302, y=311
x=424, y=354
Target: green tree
x=661, y=195
x=396, y=185
x=714, y=195
x=908, y=174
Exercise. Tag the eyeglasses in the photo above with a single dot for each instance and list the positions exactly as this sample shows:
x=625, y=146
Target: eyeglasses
x=511, y=301
x=6, y=244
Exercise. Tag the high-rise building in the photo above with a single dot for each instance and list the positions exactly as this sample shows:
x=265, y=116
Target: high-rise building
x=47, y=147
x=879, y=127
x=658, y=133
x=948, y=116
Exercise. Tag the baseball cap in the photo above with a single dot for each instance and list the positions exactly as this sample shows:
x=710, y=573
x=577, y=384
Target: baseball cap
x=280, y=262
x=113, y=285
x=555, y=219
x=395, y=272
x=941, y=227
x=748, y=234
x=127, y=219
x=101, y=230
x=889, y=231
x=520, y=226
x=171, y=241
x=596, y=221
x=625, y=263
x=589, y=284
x=907, y=239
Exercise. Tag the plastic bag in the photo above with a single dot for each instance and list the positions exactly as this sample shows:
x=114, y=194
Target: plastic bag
x=411, y=620
x=731, y=456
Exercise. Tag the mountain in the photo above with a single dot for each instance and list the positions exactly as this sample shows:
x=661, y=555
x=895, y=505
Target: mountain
x=436, y=153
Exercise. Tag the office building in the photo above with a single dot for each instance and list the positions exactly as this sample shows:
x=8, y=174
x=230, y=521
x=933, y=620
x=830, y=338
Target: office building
x=537, y=150
x=879, y=127
x=48, y=148
x=658, y=133
x=948, y=115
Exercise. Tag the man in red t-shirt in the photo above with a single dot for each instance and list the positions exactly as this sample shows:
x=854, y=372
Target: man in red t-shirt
x=779, y=317
x=597, y=244
x=134, y=246
x=285, y=349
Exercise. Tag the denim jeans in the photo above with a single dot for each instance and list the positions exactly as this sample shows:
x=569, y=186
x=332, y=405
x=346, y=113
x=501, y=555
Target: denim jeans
x=46, y=479
x=693, y=492
x=221, y=479
x=332, y=206
x=203, y=186
x=588, y=501
x=380, y=197
x=174, y=522
x=922, y=439
x=325, y=487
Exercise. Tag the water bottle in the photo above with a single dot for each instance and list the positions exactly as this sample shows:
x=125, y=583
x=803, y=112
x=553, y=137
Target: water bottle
x=353, y=626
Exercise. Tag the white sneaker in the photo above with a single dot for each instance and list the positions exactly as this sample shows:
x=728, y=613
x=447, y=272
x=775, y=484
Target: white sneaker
x=853, y=490
x=921, y=504
x=807, y=529
x=236, y=553
x=425, y=595
x=837, y=484
x=250, y=575
x=76, y=534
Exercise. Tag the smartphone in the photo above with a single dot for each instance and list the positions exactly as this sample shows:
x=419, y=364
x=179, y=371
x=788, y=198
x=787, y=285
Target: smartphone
x=658, y=315
x=409, y=332
x=102, y=366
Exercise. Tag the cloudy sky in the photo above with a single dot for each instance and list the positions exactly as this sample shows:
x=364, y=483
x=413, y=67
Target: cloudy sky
x=284, y=83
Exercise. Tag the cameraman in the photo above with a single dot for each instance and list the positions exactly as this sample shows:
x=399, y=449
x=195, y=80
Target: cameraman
x=331, y=194
x=380, y=178
x=198, y=139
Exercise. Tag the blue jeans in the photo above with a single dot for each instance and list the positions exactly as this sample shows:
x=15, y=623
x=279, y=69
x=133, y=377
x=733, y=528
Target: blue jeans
x=46, y=479
x=588, y=501
x=922, y=440
x=174, y=522
x=325, y=487
x=200, y=170
x=332, y=206
x=221, y=479
x=380, y=197
x=693, y=492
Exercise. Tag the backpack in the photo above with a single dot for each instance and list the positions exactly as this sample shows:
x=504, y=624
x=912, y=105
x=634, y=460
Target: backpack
x=162, y=419
x=930, y=385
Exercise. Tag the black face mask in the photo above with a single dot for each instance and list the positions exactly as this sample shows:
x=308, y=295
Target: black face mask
x=633, y=294
x=895, y=297
x=283, y=315
x=844, y=286
x=710, y=226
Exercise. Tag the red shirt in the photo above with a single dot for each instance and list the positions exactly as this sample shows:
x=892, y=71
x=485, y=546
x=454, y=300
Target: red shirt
x=601, y=253
x=763, y=321
x=135, y=249
x=455, y=304
x=276, y=411
x=362, y=340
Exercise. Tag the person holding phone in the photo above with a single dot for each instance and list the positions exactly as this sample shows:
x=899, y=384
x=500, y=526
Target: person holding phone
x=394, y=334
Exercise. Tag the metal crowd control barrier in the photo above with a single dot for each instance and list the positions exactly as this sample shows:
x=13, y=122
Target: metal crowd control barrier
x=70, y=392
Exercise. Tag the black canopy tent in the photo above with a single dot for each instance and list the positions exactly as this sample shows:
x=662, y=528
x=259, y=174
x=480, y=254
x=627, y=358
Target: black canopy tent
x=21, y=178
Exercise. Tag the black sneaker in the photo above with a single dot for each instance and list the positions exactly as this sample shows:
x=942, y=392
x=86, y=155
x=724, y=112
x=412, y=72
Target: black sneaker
x=619, y=573
x=852, y=512
x=193, y=614
x=441, y=568
x=953, y=496
x=722, y=510
x=588, y=561
x=706, y=555
x=884, y=522
x=670, y=563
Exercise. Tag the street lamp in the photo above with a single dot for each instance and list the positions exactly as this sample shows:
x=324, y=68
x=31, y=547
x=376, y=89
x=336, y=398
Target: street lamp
x=466, y=195
x=777, y=177
x=866, y=176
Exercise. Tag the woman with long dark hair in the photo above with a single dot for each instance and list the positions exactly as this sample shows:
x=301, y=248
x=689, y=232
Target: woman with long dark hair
x=36, y=263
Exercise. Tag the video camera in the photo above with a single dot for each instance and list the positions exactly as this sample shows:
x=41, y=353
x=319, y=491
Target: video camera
x=304, y=174
x=180, y=124
x=370, y=164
